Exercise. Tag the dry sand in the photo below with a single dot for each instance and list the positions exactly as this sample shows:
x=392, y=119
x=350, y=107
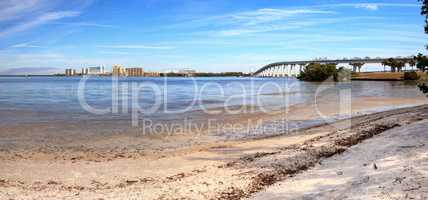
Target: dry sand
x=393, y=165
x=215, y=170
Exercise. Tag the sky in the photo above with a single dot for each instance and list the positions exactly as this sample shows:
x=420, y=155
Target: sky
x=47, y=36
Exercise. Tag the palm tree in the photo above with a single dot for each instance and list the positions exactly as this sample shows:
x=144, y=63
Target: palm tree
x=412, y=63
x=421, y=62
x=399, y=64
x=390, y=63
x=396, y=65
x=356, y=66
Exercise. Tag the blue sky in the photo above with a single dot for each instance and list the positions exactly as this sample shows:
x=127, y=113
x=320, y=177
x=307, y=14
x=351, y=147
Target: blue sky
x=45, y=36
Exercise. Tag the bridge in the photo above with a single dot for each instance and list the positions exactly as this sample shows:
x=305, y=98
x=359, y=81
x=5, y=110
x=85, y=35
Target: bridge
x=294, y=68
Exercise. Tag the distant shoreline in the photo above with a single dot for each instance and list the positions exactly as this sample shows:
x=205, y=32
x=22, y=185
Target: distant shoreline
x=27, y=75
x=161, y=75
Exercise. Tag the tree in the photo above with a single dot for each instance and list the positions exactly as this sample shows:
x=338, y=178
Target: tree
x=421, y=62
x=396, y=65
x=423, y=87
x=399, y=65
x=319, y=72
x=424, y=11
x=412, y=63
x=356, y=66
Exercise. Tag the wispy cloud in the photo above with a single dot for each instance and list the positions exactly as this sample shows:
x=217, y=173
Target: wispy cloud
x=267, y=15
x=45, y=18
x=86, y=24
x=137, y=46
x=284, y=25
x=279, y=19
x=370, y=6
x=25, y=45
x=261, y=20
x=367, y=6
x=118, y=53
x=12, y=9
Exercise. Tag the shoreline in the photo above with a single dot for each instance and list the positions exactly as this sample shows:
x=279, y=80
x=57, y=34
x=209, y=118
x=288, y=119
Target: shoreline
x=220, y=171
x=86, y=136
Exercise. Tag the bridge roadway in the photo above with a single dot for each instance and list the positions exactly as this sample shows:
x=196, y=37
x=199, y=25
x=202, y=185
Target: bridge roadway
x=288, y=67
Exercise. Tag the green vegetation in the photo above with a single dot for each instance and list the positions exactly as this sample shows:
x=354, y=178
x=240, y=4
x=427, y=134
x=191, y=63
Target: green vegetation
x=356, y=66
x=319, y=72
x=421, y=59
x=423, y=87
x=421, y=62
x=424, y=11
x=224, y=74
x=344, y=74
x=411, y=76
x=396, y=65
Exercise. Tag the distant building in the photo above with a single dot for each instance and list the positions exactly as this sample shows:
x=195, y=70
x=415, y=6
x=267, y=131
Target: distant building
x=100, y=70
x=152, y=74
x=136, y=71
x=187, y=72
x=84, y=71
x=70, y=72
x=119, y=70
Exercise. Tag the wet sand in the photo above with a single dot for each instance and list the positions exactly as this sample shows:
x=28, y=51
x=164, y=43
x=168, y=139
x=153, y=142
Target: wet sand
x=122, y=166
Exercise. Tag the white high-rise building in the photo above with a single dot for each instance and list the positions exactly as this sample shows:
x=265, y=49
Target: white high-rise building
x=100, y=70
x=70, y=72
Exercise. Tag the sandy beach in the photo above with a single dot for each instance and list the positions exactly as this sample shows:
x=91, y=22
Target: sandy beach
x=186, y=167
x=213, y=100
x=392, y=165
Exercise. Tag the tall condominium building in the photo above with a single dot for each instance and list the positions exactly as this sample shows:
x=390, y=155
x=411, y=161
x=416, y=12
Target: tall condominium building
x=119, y=70
x=70, y=72
x=93, y=70
x=136, y=71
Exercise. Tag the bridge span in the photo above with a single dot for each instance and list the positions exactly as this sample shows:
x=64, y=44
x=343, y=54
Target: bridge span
x=294, y=68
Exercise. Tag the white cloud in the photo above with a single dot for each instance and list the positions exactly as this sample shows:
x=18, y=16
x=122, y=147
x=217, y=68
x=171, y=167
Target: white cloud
x=269, y=15
x=86, y=24
x=251, y=18
x=45, y=18
x=370, y=6
x=136, y=47
x=12, y=9
x=118, y=53
x=261, y=20
x=367, y=6
x=25, y=45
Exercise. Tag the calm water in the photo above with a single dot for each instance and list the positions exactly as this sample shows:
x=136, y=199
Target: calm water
x=57, y=98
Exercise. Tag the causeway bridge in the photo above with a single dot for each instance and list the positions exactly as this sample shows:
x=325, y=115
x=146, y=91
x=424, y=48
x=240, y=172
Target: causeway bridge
x=294, y=68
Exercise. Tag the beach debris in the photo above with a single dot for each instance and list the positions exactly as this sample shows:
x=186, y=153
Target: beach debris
x=51, y=182
x=365, y=179
x=177, y=177
x=412, y=188
x=339, y=173
x=399, y=179
x=131, y=181
x=231, y=193
x=147, y=179
x=375, y=166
